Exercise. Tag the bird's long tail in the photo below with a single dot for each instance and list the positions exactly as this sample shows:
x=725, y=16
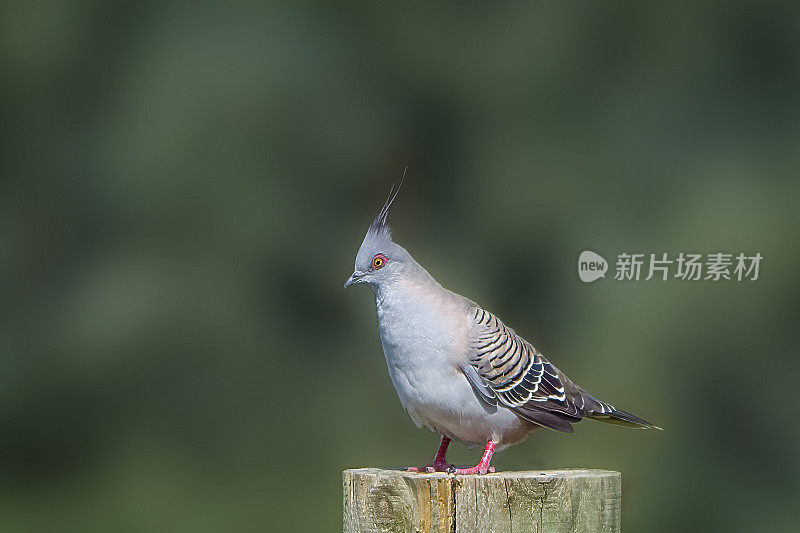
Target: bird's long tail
x=597, y=410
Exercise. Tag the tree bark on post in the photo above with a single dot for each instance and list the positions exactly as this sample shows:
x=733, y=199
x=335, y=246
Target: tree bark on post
x=542, y=501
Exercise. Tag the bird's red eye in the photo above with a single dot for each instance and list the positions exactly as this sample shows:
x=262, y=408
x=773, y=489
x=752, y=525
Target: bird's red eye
x=379, y=261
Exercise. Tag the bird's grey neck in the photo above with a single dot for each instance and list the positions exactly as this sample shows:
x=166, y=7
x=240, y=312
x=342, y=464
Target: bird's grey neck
x=405, y=287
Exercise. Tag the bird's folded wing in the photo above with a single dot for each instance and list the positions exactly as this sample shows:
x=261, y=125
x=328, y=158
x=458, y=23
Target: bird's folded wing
x=504, y=367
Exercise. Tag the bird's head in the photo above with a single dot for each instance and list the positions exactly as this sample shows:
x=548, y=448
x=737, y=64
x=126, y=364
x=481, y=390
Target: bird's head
x=380, y=260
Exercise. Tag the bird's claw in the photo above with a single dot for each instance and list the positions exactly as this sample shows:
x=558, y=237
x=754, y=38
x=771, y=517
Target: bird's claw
x=478, y=469
x=431, y=468
x=451, y=469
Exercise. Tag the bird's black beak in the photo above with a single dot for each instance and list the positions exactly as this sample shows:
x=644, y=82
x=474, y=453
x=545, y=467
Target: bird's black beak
x=355, y=278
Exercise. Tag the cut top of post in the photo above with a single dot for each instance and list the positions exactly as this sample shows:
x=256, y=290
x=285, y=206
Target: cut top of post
x=570, y=500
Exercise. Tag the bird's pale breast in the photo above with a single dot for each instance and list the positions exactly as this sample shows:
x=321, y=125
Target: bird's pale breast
x=420, y=333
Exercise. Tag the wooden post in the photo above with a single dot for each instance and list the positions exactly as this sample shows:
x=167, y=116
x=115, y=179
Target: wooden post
x=542, y=501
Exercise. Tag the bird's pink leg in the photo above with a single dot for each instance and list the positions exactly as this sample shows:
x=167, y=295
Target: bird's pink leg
x=483, y=465
x=439, y=463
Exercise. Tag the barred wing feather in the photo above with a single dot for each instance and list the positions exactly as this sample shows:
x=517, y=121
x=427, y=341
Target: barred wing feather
x=508, y=369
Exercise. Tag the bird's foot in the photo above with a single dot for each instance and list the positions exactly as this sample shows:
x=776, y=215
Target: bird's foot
x=436, y=466
x=477, y=469
x=483, y=466
x=439, y=463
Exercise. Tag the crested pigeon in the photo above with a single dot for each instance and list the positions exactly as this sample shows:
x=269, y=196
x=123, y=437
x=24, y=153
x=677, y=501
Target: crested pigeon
x=457, y=368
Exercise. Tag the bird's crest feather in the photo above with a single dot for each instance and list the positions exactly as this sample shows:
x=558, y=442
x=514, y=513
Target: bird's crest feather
x=380, y=225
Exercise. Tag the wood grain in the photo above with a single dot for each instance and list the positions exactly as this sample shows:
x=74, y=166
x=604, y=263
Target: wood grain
x=542, y=501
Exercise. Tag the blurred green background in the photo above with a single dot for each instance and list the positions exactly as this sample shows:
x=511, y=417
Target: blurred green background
x=184, y=190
